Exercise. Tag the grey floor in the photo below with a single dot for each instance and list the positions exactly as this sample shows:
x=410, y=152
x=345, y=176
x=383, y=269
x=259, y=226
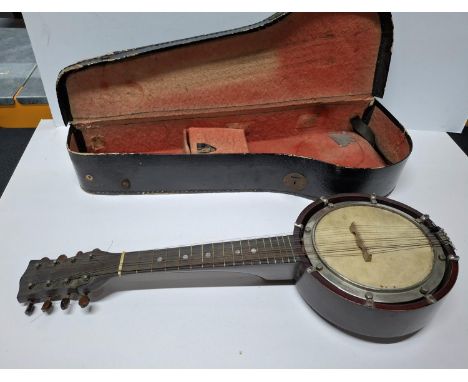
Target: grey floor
x=18, y=69
x=13, y=142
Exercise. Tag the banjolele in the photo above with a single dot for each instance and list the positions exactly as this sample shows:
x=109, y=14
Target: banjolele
x=370, y=265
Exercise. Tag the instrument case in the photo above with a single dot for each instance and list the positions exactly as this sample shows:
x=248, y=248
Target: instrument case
x=284, y=105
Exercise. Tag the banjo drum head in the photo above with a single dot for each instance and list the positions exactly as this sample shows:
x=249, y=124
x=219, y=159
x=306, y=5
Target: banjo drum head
x=374, y=251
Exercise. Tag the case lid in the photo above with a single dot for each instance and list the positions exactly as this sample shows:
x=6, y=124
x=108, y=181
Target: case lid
x=287, y=59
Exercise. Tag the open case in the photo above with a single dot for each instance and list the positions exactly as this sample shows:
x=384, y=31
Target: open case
x=285, y=105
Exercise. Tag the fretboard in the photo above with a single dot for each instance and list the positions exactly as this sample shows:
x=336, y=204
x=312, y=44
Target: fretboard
x=269, y=250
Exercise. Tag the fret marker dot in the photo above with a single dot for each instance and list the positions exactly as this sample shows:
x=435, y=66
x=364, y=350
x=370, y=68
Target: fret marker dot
x=237, y=252
x=185, y=257
x=159, y=259
x=253, y=250
x=208, y=254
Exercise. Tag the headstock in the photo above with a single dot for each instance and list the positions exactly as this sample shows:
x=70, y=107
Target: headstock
x=64, y=279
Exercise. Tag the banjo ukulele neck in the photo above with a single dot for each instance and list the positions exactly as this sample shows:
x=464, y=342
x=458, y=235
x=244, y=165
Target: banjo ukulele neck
x=268, y=250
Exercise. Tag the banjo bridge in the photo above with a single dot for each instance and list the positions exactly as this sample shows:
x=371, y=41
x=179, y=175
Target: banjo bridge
x=360, y=243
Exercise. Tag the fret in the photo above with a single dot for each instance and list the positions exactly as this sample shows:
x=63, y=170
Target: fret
x=285, y=249
x=249, y=257
x=224, y=255
x=218, y=255
x=159, y=260
x=274, y=252
x=290, y=248
x=245, y=252
x=248, y=254
x=228, y=254
x=130, y=264
x=270, y=250
x=237, y=250
x=280, y=251
x=197, y=258
x=213, y=255
x=207, y=255
x=136, y=261
x=228, y=251
x=256, y=251
x=152, y=260
x=184, y=258
x=203, y=255
x=144, y=261
x=253, y=252
x=172, y=259
x=264, y=251
x=191, y=257
x=260, y=254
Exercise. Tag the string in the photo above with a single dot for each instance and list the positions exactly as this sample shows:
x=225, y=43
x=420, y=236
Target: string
x=415, y=243
x=342, y=248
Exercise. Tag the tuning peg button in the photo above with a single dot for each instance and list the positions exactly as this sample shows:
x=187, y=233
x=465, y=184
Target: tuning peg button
x=62, y=258
x=47, y=306
x=83, y=301
x=65, y=303
x=30, y=309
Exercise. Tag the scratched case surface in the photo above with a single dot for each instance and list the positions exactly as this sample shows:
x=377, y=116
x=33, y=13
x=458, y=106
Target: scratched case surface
x=284, y=105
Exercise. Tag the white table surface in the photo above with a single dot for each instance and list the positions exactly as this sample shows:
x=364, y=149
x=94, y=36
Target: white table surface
x=43, y=212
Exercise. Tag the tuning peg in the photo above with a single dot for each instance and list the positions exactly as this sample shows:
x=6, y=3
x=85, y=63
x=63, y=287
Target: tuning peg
x=94, y=252
x=78, y=255
x=83, y=301
x=30, y=309
x=47, y=306
x=65, y=303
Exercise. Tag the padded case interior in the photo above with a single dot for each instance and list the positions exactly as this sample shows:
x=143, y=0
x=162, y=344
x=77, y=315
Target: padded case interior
x=291, y=86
